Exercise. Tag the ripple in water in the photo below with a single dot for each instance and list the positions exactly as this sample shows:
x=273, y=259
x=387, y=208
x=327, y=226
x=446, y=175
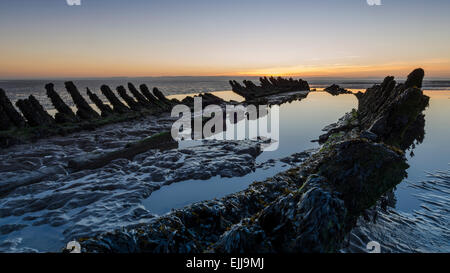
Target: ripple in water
x=423, y=230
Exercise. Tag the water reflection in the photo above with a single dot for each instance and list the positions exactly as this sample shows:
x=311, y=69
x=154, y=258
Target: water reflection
x=432, y=154
x=301, y=122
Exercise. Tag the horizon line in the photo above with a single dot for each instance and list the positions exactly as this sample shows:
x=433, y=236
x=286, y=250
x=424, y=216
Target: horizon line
x=206, y=76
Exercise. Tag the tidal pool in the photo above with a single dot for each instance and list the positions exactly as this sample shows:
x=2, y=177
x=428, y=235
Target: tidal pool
x=300, y=122
x=425, y=193
x=45, y=216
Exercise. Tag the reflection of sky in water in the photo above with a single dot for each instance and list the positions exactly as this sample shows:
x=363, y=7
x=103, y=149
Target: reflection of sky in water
x=301, y=122
x=433, y=154
x=180, y=194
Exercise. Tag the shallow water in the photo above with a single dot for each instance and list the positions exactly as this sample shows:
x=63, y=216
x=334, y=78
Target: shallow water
x=421, y=200
x=433, y=154
x=128, y=192
x=419, y=220
x=300, y=122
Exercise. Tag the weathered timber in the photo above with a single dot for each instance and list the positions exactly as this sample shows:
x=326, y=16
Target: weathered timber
x=336, y=90
x=85, y=111
x=135, y=106
x=104, y=108
x=387, y=109
x=146, y=92
x=207, y=99
x=161, y=96
x=269, y=86
x=138, y=96
x=415, y=78
x=65, y=114
x=158, y=141
x=39, y=109
x=34, y=177
x=118, y=106
x=10, y=112
x=5, y=122
x=27, y=110
x=34, y=112
x=188, y=101
x=86, y=118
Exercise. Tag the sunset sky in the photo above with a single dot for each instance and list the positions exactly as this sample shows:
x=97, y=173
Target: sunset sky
x=111, y=38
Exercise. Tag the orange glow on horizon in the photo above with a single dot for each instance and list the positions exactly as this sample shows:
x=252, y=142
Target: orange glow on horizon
x=432, y=68
x=83, y=68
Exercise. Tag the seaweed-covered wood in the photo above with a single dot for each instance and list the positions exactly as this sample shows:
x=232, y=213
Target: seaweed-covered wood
x=138, y=96
x=158, y=141
x=389, y=109
x=34, y=112
x=161, y=96
x=104, y=108
x=146, y=92
x=268, y=86
x=129, y=100
x=65, y=114
x=85, y=111
x=10, y=113
x=118, y=106
x=5, y=122
x=336, y=90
